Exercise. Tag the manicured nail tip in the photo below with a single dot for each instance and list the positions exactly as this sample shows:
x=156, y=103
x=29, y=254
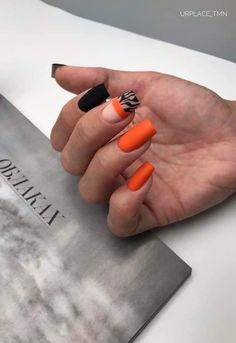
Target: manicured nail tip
x=138, y=135
x=140, y=176
x=126, y=103
x=55, y=66
x=94, y=97
x=121, y=107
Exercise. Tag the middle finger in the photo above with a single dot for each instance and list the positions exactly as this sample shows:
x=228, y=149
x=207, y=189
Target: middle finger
x=95, y=129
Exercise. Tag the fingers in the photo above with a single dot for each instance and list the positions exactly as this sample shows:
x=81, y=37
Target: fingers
x=101, y=175
x=73, y=111
x=94, y=86
x=128, y=214
x=78, y=79
x=89, y=149
x=95, y=129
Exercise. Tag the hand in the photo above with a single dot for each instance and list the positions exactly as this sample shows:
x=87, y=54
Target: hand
x=193, y=152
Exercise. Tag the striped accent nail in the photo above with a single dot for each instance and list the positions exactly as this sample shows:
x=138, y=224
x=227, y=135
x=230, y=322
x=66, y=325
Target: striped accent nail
x=121, y=107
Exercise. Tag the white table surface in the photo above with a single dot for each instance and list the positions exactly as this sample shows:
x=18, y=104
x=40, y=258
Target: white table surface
x=32, y=36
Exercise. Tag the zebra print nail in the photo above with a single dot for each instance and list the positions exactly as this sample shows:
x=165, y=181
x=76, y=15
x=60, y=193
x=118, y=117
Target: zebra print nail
x=129, y=101
x=120, y=107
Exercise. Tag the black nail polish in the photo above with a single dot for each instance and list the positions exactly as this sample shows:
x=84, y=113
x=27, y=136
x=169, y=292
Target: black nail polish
x=94, y=97
x=54, y=68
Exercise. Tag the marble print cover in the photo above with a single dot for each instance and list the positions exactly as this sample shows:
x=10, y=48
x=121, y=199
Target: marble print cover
x=69, y=280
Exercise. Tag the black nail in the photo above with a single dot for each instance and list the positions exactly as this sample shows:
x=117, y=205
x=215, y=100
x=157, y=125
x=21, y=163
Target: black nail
x=54, y=68
x=94, y=97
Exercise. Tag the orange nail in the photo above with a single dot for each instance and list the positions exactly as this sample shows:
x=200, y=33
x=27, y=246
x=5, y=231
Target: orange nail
x=119, y=108
x=137, y=136
x=140, y=176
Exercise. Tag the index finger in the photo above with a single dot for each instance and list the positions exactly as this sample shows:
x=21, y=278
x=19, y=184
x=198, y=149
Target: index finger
x=78, y=79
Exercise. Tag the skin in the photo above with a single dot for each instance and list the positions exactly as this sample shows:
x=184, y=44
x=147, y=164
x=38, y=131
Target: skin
x=194, y=150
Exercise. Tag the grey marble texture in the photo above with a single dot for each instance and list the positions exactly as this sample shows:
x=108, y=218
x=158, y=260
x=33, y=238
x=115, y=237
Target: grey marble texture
x=74, y=282
x=41, y=301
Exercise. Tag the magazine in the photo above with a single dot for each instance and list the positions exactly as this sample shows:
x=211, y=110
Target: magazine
x=64, y=277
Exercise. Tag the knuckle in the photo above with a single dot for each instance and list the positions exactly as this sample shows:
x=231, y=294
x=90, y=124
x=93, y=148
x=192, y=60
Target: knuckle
x=158, y=77
x=119, y=204
x=55, y=142
x=101, y=73
x=116, y=230
x=82, y=133
x=64, y=117
x=101, y=160
x=87, y=193
x=127, y=224
x=142, y=82
x=65, y=161
x=67, y=164
x=62, y=122
x=83, y=191
x=153, y=74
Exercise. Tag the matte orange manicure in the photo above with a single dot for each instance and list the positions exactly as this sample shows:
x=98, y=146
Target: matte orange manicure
x=140, y=176
x=137, y=136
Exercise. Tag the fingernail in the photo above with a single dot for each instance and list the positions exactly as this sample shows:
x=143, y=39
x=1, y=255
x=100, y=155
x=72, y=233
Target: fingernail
x=94, y=97
x=137, y=136
x=121, y=107
x=140, y=176
x=54, y=68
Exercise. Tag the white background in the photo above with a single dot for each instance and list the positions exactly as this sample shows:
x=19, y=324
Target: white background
x=34, y=35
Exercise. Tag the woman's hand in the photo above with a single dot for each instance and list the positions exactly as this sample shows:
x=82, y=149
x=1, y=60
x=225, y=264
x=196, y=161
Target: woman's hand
x=193, y=151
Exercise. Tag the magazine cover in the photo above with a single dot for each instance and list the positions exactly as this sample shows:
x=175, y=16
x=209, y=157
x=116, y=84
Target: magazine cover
x=64, y=277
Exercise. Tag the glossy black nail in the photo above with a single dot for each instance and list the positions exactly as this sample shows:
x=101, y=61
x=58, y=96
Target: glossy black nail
x=54, y=68
x=94, y=97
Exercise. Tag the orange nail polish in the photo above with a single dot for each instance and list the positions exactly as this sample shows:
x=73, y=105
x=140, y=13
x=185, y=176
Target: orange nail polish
x=140, y=176
x=137, y=136
x=119, y=108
